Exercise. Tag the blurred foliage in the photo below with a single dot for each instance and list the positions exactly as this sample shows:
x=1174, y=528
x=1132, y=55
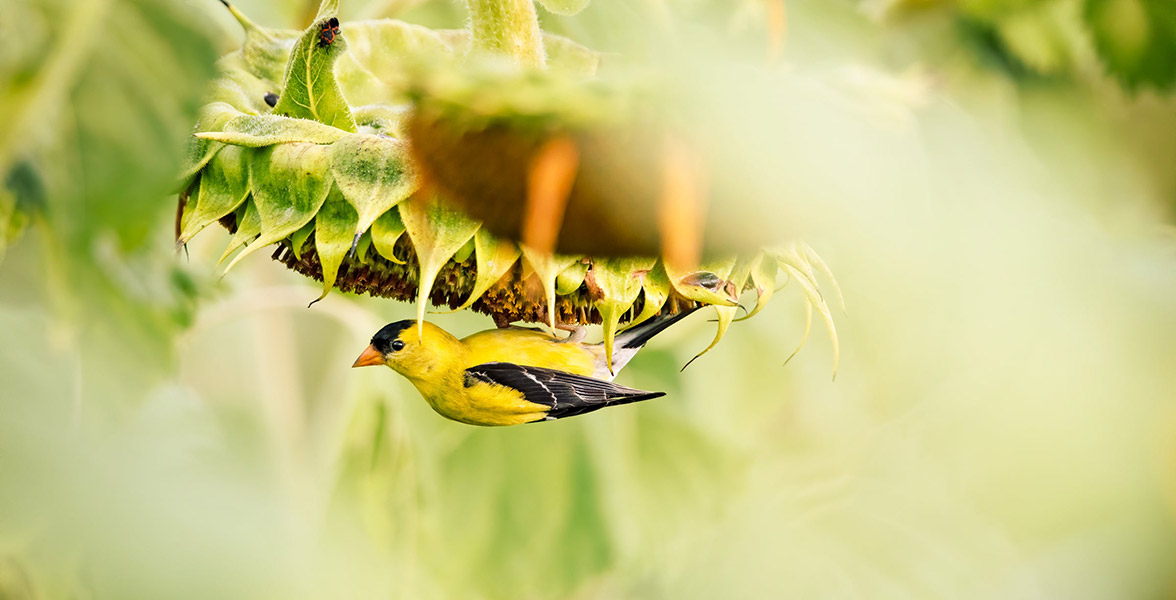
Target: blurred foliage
x=1134, y=40
x=1130, y=39
x=995, y=204
x=96, y=96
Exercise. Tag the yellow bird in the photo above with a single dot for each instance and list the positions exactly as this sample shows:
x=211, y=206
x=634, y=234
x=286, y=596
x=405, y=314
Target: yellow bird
x=511, y=375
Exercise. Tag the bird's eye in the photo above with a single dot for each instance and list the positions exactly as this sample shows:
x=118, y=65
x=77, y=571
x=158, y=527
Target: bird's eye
x=397, y=345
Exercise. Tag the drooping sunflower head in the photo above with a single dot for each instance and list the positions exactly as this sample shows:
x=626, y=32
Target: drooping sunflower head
x=398, y=161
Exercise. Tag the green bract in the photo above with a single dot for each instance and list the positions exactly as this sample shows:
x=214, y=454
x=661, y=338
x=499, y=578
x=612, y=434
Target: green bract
x=330, y=176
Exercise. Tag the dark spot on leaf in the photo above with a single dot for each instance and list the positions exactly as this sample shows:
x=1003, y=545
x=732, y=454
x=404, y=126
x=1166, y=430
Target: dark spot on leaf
x=703, y=279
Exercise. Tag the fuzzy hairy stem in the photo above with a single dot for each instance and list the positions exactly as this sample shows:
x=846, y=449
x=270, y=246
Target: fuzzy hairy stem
x=507, y=27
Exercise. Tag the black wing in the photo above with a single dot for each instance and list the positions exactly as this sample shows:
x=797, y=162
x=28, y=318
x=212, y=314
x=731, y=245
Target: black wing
x=567, y=394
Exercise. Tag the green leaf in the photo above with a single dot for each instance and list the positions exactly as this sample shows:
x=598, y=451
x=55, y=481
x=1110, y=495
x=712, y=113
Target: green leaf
x=566, y=56
x=327, y=9
x=98, y=103
x=298, y=239
x=363, y=247
x=740, y=273
x=804, y=259
x=265, y=51
x=388, y=228
x=726, y=314
x=381, y=58
x=437, y=232
x=706, y=285
x=382, y=119
x=224, y=185
x=1134, y=39
x=812, y=259
x=310, y=90
x=256, y=131
x=995, y=10
x=816, y=301
x=237, y=86
x=798, y=262
x=465, y=252
x=290, y=182
x=714, y=280
x=493, y=258
x=248, y=228
x=1039, y=37
x=374, y=173
x=763, y=278
x=213, y=117
x=333, y=230
x=385, y=57
x=619, y=280
x=508, y=28
x=570, y=279
x=564, y=7
x=808, y=328
x=655, y=286
x=547, y=268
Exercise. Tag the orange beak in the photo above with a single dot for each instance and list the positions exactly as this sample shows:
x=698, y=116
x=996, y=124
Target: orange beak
x=370, y=357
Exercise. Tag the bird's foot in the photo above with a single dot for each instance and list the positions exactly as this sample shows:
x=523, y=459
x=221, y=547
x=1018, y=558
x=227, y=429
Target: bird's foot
x=576, y=333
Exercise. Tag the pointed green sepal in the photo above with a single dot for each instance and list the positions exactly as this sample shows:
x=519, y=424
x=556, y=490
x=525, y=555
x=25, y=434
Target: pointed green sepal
x=800, y=270
x=298, y=239
x=265, y=51
x=224, y=185
x=464, y=253
x=437, y=232
x=655, y=290
x=388, y=228
x=763, y=279
x=707, y=285
x=248, y=228
x=363, y=248
x=374, y=174
x=290, y=182
x=570, y=279
x=213, y=117
x=619, y=283
x=333, y=236
x=726, y=315
x=547, y=268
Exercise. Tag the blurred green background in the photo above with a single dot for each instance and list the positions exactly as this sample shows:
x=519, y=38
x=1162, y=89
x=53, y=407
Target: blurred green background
x=990, y=180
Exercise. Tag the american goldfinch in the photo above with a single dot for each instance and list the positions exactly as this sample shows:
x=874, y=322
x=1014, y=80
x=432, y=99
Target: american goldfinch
x=511, y=375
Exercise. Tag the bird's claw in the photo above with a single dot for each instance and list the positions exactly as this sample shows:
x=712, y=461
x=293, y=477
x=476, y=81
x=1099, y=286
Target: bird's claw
x=576, y=333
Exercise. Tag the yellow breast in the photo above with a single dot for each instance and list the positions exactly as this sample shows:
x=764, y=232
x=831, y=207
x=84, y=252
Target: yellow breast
x=487, y=404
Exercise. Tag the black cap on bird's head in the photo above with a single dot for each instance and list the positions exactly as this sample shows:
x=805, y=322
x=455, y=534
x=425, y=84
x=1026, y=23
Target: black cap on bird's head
x=389, y=333
x=383, y=343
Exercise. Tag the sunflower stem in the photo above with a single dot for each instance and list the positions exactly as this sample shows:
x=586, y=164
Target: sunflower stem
x=509, y=28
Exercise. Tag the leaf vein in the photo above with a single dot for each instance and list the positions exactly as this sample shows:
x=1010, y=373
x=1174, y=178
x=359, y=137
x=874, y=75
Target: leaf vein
x=309, y=82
